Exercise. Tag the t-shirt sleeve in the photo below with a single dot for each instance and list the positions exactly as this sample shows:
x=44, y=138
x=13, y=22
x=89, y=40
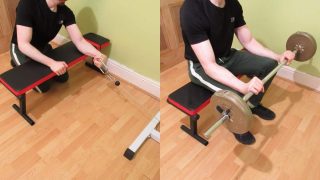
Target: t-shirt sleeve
x=239, y=21
x=24, y=15
x=69, y=17
x=192, y=24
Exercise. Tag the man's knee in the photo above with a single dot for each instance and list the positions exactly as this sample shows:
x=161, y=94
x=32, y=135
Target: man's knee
x=42, y=88
x=273, y=64
x=63, y=78
x=269, y=65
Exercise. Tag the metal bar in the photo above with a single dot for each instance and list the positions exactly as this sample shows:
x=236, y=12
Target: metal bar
x=108, y=74
x=265, y=79
x=22, y=102
x=148, y=131
x=195, y=136
x=208, y=133
x=193, y=129
x=194, y=123
x=155, y=135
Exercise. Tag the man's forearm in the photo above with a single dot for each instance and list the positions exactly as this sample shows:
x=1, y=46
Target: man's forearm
x=225, y=77
x=256, y=48
x=35, y=54
x=86, y=48
x=206, y=57
x=252, y=45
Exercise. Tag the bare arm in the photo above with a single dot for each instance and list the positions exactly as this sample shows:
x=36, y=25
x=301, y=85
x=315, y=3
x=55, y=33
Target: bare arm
x=24, y=36
x=207, y=59
x=84, y=46
x=252, y=45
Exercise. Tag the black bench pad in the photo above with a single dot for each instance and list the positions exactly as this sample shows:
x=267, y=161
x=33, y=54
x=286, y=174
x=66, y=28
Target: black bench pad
x=190, y=98
x=30, y=74
x=96, y=40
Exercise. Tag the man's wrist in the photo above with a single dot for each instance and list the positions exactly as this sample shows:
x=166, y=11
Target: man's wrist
x=277, y=57
x=50, y=62
x=242, y=88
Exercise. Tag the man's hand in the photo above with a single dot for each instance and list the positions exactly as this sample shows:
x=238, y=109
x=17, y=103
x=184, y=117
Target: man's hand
x=255, y=86
x=286, y=57
x=59, y=67
x=98, y=60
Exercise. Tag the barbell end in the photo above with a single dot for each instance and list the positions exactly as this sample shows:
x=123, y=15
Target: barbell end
x=303, y=45
x=207, y=136
x=225, y=117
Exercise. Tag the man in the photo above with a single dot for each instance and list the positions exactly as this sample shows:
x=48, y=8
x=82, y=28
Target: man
x=37, y=23
x=208, y=27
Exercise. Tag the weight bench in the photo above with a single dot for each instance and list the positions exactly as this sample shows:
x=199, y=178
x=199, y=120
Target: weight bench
x=25, y=77
x=191, y=99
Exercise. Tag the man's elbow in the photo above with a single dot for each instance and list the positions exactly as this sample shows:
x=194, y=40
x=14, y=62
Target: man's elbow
x=22, y=46
x=79, y=40
x=211, y=69
x=208, y=68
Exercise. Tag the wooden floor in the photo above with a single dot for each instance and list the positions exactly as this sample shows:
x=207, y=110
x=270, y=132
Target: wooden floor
x=286, y=148
x=82, y=129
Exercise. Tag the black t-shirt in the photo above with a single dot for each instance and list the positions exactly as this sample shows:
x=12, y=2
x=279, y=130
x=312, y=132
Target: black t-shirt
x=45, y=24
x=201, y=20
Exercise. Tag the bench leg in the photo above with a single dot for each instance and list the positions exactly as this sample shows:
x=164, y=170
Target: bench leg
x=148, y=131
x=193, y=130
x=22, y=109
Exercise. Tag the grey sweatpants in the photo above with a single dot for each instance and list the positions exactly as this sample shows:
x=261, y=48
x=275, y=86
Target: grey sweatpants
x=238, y=63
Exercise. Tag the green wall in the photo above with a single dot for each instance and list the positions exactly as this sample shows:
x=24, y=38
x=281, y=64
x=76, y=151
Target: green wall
x=132, y=27
x=273, y=21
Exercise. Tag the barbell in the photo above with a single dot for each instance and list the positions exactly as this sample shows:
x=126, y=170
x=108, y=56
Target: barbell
x=235, y=113
x=108, y=75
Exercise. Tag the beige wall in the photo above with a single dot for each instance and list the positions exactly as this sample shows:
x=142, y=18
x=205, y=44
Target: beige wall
x=132, y=26
x=273, y=21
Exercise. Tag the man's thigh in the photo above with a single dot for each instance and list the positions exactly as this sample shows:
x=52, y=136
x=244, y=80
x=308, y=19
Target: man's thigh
x=245, y=63
x=199, y=77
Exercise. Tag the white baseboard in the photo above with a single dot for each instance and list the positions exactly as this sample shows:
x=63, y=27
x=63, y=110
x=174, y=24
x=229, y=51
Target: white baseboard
x=299, y=77
x=138, y=80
